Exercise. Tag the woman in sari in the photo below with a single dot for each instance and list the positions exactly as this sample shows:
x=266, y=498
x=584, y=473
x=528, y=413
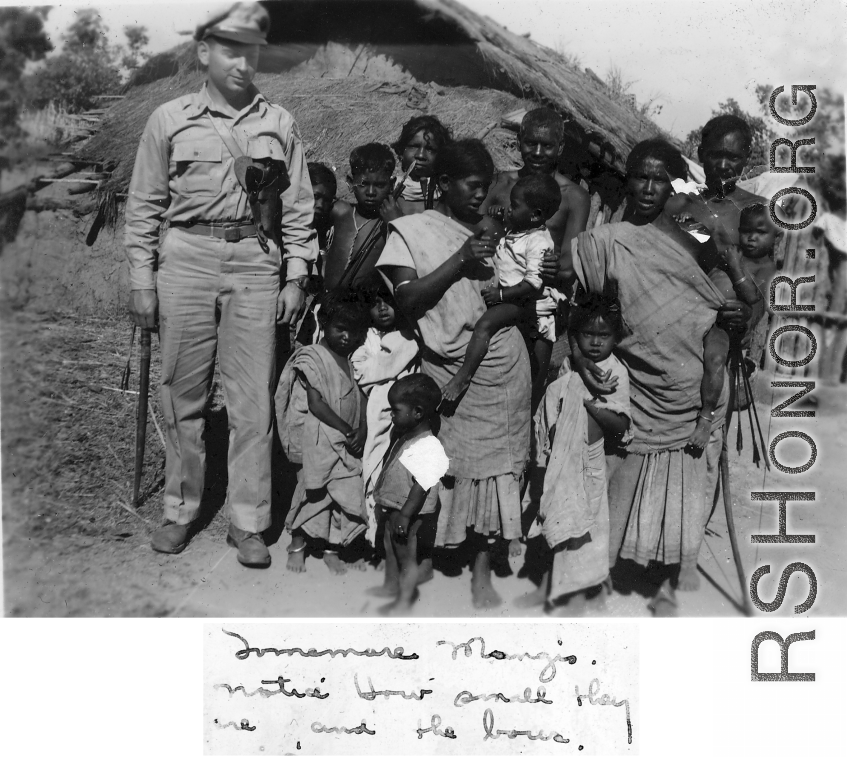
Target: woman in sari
x=436, y=262
x=660, y=490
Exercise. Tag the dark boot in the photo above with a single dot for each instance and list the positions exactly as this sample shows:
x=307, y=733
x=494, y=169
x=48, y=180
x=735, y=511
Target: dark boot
x=252, y=551
x=170, y=538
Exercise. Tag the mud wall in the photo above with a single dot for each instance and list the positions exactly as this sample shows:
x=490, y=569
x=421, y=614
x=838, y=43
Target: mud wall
x=48, y=265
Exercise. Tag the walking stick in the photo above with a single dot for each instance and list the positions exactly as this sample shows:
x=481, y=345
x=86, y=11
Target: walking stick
x=141, y=411
x=730, y=525
x=727, y=495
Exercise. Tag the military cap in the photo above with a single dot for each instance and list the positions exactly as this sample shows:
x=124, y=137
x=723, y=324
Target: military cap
x=247, y=23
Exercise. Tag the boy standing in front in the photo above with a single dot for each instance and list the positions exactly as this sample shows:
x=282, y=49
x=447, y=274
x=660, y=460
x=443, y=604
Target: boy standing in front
x=219, y=281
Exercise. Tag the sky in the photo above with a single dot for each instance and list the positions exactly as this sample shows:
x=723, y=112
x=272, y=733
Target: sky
x=687, y=54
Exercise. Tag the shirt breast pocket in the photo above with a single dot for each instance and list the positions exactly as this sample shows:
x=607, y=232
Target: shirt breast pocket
x=265, y=147
x=199, y=167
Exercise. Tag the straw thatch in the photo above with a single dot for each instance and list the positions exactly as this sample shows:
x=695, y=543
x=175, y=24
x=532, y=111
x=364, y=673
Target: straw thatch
x=430, y=41
x=547, y=76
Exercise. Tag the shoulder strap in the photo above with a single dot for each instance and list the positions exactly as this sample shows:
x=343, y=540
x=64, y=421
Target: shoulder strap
x=226, y=136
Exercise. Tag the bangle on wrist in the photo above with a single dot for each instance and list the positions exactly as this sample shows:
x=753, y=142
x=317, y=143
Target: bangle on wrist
x=710, y=417
x=500, y=291
x=300, y=282
x=739, y=281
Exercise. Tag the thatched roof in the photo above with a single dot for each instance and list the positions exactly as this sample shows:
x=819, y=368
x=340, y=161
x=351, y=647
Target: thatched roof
x=446, y=42
x=429, y=41
x=547, y=76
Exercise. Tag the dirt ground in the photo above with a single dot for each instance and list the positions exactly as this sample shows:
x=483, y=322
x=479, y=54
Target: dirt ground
x=73, y=545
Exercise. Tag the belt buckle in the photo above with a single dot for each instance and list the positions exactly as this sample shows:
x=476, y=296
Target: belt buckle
x=232, y=234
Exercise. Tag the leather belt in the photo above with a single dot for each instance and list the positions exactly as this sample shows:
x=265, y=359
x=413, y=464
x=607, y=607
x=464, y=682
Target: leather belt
x=229, y=232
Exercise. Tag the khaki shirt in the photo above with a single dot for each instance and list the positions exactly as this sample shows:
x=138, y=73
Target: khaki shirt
x=184, y=172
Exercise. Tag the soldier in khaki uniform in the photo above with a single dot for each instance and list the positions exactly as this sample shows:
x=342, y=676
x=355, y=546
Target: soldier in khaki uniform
x=223, y=281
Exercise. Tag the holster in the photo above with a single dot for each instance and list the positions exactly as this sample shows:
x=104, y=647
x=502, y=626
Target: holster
x=264, y=180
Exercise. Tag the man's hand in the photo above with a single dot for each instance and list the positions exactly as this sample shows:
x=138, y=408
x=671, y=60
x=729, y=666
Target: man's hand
x=596, y=380
x=734, y=316
x=398, y=526
x=289, y=304
x=144, y=308
x=390, y=209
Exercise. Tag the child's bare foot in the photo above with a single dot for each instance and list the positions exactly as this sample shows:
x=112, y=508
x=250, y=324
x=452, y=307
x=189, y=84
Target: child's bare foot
x=700, y=438
x=597, y=603
x=425, y=571
x=453, y=389
x=397, y=607
x=515, y=548
x=573, y=608
x=483, y=595
x=688, y=579
x=533, y=598
x=296, y=562
x=384, y=590
x=333, y=562
x=359, y=564
x=380, y=566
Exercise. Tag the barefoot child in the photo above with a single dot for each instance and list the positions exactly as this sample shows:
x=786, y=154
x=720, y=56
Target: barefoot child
x=728, y=270
x=420, y=140
x=570, y=428
x=321, y=415
x=388, y=353
x=534, y=199
x=349, y=260
x=406, y=493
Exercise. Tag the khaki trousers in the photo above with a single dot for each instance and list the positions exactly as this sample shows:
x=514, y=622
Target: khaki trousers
x=218, y=296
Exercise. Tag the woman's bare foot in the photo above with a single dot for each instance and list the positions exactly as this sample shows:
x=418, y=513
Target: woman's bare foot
x=484, y=597
x=664, y=604
x=688, y=579
x=296, y=562
x=515, y=548
x=397, y=607
x=573, y=608
x=453, y=389
x=384, y=590
x=425, y=571
x=700, y=438
x=333, y=562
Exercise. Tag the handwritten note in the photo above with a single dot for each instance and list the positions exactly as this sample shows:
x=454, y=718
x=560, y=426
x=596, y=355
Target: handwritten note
x=421, y=688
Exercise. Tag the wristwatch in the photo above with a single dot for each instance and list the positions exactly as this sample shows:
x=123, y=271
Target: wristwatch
x=300, y=282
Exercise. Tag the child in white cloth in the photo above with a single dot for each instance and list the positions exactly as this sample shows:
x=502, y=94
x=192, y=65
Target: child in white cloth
x=570, y=429
x=534, y=199
x=406, y=493
x=388, y=353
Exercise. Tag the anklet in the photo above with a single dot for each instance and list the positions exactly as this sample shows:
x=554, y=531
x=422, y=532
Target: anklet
x=295, y=551
x=330, y=551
